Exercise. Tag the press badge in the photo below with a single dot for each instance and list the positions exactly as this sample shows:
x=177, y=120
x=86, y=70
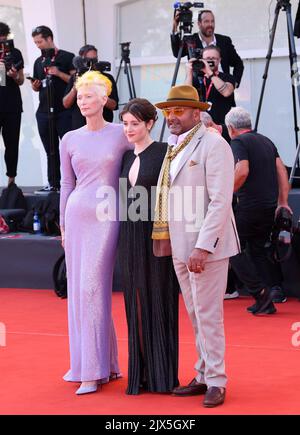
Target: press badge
x=44, y=83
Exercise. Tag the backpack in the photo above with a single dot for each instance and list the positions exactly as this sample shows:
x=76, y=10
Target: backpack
x=48, y=212
x=4, y=228
x=60, y=278
x=12, y=198
x=50, y=215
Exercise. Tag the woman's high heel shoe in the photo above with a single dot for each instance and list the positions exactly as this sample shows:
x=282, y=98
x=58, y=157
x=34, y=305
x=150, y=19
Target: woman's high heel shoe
x=115, y=376
x=87, y=389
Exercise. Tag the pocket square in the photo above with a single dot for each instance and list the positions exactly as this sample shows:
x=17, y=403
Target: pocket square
x=193, y=163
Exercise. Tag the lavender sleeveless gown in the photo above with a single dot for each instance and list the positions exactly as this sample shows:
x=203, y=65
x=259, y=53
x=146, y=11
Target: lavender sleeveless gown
x=89, y=161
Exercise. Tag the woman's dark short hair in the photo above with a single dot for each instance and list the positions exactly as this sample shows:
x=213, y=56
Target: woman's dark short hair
x=141, y=109
x=4, y=29
x=86, y=48
x=44, y=31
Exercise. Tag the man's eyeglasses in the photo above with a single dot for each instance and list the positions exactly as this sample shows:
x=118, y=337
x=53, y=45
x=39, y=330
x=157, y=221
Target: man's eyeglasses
x=176, y=111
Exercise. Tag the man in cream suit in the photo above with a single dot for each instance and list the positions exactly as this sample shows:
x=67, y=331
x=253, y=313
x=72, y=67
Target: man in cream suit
x=194, y=219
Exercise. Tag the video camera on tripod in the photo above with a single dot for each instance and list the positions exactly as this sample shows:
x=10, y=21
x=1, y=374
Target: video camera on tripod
x=125, y=58
x=6, y=54
x=186, y=15
x=83, y=65
x=125, y=51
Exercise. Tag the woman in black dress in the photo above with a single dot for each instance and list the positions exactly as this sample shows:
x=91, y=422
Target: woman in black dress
x=150, y=285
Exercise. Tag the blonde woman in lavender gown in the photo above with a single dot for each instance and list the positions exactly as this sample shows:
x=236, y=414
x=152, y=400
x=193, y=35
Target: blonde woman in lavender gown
x=91, y=160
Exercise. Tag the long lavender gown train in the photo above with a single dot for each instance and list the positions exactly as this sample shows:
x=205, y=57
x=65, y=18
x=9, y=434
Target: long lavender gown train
x=90, y=160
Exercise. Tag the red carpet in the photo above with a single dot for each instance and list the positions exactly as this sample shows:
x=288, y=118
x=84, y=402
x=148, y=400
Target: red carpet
x=262, y=364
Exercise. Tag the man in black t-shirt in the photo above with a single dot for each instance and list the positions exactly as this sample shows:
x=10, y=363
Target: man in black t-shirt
x=52, y=71
x=70, y=100
x=261, y=186
x=12, y=65
x=213, y=86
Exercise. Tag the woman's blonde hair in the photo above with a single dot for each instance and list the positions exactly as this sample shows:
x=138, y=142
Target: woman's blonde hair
x=94, y=78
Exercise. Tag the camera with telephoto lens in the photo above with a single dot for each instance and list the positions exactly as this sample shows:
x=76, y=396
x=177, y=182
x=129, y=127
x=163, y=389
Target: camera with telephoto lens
x=48, y=55
x=6, y=53
x=283, y=226
x=198, y=64
x=186, y=15
x=83, y=65
x=279, y=246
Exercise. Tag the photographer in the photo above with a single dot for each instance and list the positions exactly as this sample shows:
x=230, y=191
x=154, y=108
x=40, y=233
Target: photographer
x=207, y=37
x=88, y=59
x=262, y=188
x=52, y=71
x=214, y=87
x=11, y=66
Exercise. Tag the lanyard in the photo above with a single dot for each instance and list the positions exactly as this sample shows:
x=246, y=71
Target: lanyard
x=208, y=90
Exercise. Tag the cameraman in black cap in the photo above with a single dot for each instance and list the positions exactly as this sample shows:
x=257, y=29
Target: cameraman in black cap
x=52, y=71
x=88, y=59
x=11, y=65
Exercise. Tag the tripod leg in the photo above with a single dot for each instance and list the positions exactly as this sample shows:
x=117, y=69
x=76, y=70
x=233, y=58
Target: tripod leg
x=296, y=128
x=268, y=57
x=173, y=84
x=294, y=72
x=119, y=71
x=129, y=82
x=131, y=79
x=292, y=175
x=52, y=158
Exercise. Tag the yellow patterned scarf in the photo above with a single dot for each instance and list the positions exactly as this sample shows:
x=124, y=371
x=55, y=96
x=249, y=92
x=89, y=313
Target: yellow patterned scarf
x=161, y=224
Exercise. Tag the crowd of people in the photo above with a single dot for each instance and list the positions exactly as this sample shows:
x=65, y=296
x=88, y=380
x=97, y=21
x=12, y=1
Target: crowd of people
x=212, y=150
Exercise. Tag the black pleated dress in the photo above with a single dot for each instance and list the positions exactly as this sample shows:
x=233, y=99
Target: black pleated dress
x=150, y=284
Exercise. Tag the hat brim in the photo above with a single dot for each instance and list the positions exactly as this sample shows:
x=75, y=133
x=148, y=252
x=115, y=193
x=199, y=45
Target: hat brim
x=183, y=103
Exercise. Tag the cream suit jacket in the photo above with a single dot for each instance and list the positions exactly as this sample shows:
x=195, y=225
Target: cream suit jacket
x=200, y=200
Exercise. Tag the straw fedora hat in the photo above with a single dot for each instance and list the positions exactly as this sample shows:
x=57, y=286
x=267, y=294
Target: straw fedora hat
x=183, y=95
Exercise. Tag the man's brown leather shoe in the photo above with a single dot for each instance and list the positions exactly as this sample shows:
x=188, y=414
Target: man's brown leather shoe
x=214, y=396
x=192, y=389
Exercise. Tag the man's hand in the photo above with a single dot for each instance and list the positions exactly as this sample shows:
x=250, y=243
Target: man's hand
x=283, y=206
x=176, y=22
x=36, y=85
x=197, y=260
x=13, y=73
x=53, y=71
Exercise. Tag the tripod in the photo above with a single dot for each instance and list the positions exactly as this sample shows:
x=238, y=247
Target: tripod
x=51, y=119
x=186, y=31
x=285, y=6
x=127, y=69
